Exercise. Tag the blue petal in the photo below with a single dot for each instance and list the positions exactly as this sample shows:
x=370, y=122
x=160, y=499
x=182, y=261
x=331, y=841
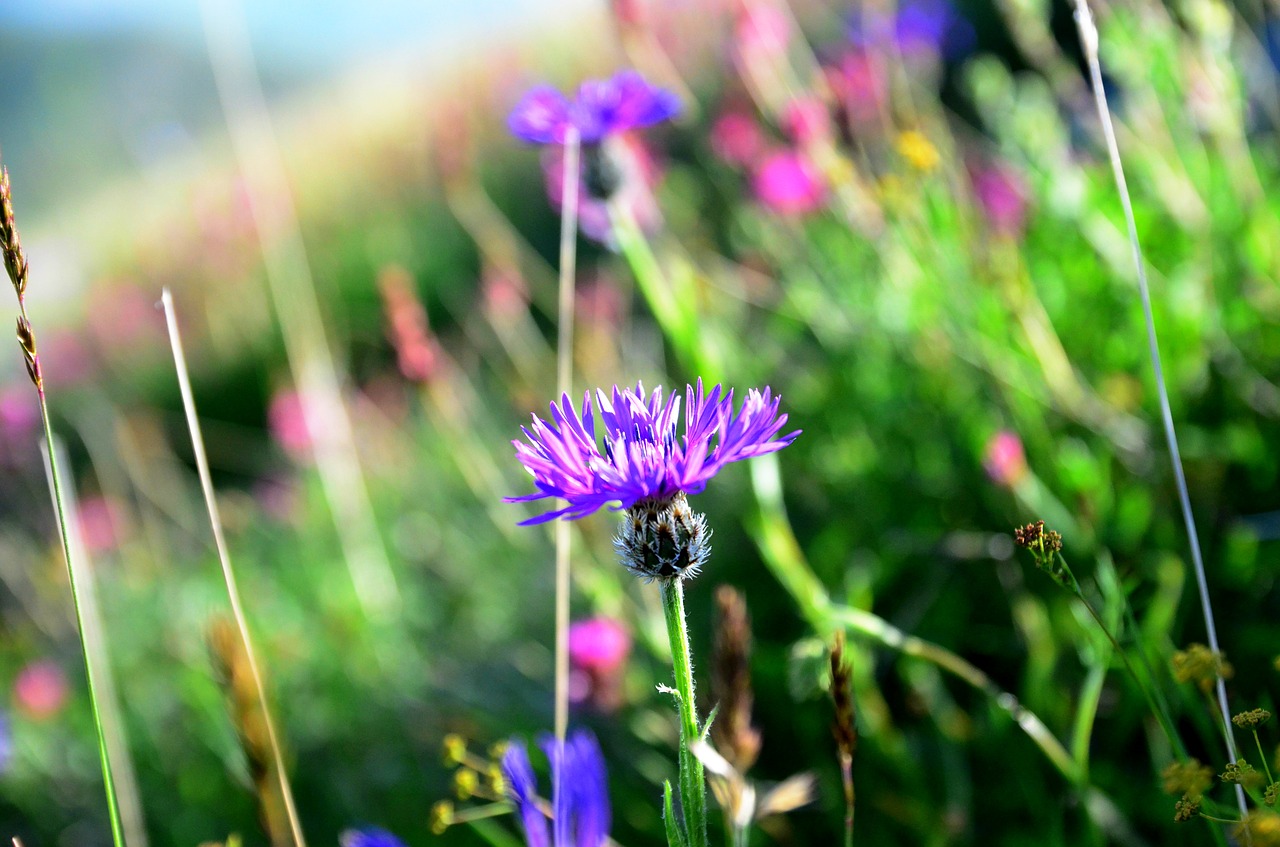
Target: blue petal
x=523, y=791
x=541, y=116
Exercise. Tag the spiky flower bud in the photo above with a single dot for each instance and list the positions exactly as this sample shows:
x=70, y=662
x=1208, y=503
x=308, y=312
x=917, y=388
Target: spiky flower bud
x=663, y=539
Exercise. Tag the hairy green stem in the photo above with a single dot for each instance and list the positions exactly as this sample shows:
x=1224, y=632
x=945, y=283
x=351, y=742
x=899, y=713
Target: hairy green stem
x=693, y=781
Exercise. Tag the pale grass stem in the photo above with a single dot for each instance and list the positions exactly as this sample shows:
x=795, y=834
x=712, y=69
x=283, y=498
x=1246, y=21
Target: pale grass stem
x=1089, y=40
x=94, y=636
x=293, y=296
x=228, y=575
x=564, y=379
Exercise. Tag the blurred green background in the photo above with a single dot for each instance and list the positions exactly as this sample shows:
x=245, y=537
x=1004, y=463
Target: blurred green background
x=899, y=217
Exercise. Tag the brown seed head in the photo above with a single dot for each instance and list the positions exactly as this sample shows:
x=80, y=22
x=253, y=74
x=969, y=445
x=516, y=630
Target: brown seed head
x=15, y=261
x=27, y=340
x=845, y=726
x=734, y=736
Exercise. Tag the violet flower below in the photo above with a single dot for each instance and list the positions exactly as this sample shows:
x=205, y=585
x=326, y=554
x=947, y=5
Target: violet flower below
x=643, y=456
x=580, y=812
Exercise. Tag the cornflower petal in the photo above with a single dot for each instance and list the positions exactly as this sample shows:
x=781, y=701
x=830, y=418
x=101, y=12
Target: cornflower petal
x=523, y=791
x=642, y=455
x=600, y=108
x=542, y=116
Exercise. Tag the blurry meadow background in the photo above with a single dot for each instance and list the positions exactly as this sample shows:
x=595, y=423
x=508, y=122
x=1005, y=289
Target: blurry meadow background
x=901, y=217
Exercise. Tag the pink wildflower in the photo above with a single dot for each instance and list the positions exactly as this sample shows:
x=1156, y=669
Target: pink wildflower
x=788, y=183
x=736, y=138
x=1005, y=461
x=1002, y=198
x=41, y=689
x=598, y=652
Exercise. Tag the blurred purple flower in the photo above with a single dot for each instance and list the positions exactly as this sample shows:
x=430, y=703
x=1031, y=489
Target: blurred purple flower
x=602, y=108
x=1005, y=461
x=786, y=182
x=6, y=742
x=643, y=456
x=1002, y=198
x=921, y=27
x=637, y=174
x=370, y=836
x=580, y=813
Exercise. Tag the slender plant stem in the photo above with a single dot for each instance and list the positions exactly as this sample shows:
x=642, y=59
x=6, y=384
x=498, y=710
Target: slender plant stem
x=564, y=379
x=55, y=476
x=846, y=779
x=1089, y=39
x=693, y=784
x=1262, y=755
x=228, y=575
x=1157, y=707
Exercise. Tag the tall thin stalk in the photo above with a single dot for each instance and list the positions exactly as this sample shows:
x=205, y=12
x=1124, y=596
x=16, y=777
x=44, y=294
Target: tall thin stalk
x=228, y=575
x=1089, y=40
x=564, y=381
x=293, y=297
x=15, y=263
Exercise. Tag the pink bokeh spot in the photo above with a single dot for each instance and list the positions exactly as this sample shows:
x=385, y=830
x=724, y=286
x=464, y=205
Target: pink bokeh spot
x=806, y=120
x=288, y=423
x=736, y=138
x=41, y=689
x=598, y=645
x=1005, y=461
x=788, y=183
x=1001, y=197
x=102, y=524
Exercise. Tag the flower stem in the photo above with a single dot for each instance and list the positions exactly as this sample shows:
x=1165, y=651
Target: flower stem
x=55, y=475
x=693, y=784
x=1263, y=756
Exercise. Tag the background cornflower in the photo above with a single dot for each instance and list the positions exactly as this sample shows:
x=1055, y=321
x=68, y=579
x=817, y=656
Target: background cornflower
x=643, y=455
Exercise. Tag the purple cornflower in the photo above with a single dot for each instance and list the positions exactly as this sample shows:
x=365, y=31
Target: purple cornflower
x=369, y=836
x=580, y=792
x=601, y=108
x=643, y=458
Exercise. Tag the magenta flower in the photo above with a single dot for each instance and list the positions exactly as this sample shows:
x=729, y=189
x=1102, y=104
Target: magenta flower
x=601, y=108
x=598, y=652
x=1002, y=198
x=788, y=183
x=598, y=644
x=643, y=456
